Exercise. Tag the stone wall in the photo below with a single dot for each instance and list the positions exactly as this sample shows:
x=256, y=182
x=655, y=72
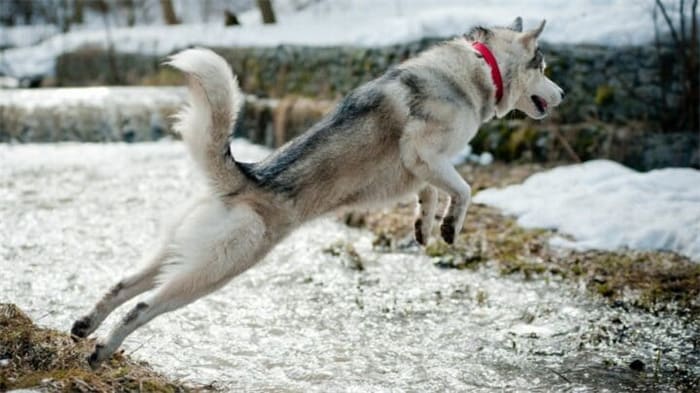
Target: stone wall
x=616, y=99
x=123, y=114
x=610, y=84
x=133, y=114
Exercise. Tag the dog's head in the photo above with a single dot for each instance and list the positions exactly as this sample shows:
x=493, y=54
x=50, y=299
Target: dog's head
x=522, y=65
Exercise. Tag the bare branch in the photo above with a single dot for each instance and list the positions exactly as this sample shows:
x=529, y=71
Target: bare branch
x=268, y=14
x=694, y=19
x=169, y=12
x=681, y=17
x=674, y=34
x=567, y=147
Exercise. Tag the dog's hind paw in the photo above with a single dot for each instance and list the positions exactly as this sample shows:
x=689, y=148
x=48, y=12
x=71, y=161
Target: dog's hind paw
x=97, y=356
x=81, y=328
x=447, y=230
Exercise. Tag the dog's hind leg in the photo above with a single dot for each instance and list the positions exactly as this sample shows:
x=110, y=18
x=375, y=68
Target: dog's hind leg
x=427, y=205
x=124, y=290
x=137, y=283
x=171, y=296
x=215, y=246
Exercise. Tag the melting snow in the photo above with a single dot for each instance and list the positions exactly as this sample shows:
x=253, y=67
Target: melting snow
x=605, y=205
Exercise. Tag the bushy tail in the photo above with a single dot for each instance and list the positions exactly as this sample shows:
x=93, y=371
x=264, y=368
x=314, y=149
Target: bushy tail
x=206, y=122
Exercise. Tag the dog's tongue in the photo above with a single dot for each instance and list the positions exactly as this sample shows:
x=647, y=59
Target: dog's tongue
x=542, y=102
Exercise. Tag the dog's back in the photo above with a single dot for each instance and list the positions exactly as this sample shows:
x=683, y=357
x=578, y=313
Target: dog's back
x=344, y=159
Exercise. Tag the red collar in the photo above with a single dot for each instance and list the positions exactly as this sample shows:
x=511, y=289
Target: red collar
x=495, y=71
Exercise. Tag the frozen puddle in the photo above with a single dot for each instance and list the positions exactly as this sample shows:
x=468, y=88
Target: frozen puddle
x=74, y=217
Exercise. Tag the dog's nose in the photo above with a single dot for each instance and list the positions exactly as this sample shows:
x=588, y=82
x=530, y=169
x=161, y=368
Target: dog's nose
x=561, y=91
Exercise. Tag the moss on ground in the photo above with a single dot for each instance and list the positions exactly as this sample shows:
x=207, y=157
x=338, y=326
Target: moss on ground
x=652, y=281
x=346, y=251
x=34, y=357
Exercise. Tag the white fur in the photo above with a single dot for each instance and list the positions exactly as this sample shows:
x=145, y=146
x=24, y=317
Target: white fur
x=215, y=240
x=206, y=122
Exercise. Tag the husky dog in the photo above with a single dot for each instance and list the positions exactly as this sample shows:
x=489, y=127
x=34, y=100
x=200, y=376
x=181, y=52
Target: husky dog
x=392, y=137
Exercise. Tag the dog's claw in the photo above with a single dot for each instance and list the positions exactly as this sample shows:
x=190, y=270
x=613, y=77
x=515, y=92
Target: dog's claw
x=94, y=359
x=447, y=230
x=80, y=328
x=418, y=232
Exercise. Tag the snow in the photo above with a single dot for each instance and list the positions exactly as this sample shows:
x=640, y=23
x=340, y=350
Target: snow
x=359, y=23
x=103, y=97
x=604, y=205
x=57, y=157
x=467, y=155
x=25, y=35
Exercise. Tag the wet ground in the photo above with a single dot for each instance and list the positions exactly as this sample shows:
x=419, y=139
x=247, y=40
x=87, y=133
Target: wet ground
x=328, y=310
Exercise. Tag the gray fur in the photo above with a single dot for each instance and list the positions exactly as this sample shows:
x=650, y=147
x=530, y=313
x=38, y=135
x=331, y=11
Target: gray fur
x=537, y=61
x=280, y=171
x=479, y=33
x=389, y=139
x=517, y=25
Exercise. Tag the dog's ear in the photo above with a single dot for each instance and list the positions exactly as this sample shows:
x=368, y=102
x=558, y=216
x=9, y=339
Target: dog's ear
x=517, y=25
x=528, y=38
x=479, y=33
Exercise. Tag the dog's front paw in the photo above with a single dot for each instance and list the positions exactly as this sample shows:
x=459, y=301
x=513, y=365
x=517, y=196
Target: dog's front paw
x=81, y=328
x=447, y=230
x=418, y=230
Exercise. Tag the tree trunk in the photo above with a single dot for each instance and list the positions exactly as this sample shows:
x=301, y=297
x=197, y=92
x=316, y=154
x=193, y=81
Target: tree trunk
x=268, y=14
x=230, y=19
x=695, y=69
x=62, y=16
x=78, y=7
x=130, y=12
x=168, y=12
x=688, y=116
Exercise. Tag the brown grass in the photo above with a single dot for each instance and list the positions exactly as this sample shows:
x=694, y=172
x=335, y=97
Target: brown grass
x=33, y=357
x=652, y=281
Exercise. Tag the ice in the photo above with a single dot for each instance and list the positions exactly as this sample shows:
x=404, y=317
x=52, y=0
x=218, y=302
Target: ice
x=75, y=218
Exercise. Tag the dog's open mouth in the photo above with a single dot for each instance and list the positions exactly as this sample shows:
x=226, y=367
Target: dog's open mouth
x=540, y=103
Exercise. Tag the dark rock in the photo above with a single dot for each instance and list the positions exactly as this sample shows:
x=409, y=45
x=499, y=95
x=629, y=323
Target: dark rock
x=637, y=365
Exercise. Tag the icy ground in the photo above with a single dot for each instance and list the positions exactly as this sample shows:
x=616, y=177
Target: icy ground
x=75, y=217
x=353, y=22
x=604, y=205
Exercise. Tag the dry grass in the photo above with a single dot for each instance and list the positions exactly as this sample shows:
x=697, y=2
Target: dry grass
x=34, y=357
x=650, y=280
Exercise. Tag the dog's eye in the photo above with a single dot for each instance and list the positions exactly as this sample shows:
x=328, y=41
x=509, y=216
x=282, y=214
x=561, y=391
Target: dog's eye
x=537, y=61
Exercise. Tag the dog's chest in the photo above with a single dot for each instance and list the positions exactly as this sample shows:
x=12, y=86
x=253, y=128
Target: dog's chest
x=461, y=132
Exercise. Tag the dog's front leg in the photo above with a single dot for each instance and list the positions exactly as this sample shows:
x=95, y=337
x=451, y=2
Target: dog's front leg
x=438, y=171
x=427, y=205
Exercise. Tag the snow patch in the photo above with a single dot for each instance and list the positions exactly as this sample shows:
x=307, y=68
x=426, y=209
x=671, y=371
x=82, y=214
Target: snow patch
x=18, y=36
x=468, y=156
x=604, y=205
x=62, y=157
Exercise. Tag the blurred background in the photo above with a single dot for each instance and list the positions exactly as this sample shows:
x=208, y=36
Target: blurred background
x=630, y=68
